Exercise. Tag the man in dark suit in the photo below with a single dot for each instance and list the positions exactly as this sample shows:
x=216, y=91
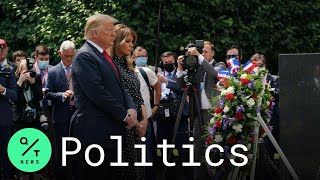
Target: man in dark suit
x=103, y=107
x=3, y=57
x=8, y=95
x=205, y=80
x=60, y=92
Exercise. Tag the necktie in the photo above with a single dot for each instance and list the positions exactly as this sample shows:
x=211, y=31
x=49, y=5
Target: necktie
x=105, y=54
x=69, y=78
x=168, y=76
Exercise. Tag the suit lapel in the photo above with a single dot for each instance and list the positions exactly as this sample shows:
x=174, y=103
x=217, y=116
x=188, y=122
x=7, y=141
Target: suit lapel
x=102, y=58
x=63, y=76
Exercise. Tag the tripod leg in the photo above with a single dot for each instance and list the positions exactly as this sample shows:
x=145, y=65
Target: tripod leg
x=276, y=145
x=178, y=119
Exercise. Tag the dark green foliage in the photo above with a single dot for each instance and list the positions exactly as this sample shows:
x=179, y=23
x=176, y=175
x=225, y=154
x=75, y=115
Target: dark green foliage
x=268, y=27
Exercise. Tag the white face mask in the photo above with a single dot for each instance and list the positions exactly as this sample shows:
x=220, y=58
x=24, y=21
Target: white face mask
x=43, y=64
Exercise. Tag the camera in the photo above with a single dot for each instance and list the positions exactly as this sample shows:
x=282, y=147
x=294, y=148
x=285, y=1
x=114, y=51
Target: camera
x=5, y=71
x=30, y=114
x=190, y=62
x=30, y=63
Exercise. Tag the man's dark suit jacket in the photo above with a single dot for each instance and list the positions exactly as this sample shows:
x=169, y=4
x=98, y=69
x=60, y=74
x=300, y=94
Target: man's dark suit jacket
x=6, y=111
x=101, y=99
x=57, y=84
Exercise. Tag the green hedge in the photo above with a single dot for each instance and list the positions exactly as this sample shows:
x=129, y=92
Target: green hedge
x=268, y=27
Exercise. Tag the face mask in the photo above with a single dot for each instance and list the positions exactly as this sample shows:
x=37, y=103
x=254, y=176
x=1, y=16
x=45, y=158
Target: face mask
x=168, y=67
x=141, y=61
x=43, y=64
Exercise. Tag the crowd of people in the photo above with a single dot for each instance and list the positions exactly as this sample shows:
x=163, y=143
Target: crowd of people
x=106, y=88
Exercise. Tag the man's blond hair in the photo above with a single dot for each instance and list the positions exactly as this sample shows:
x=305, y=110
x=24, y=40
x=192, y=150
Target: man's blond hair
x=96, y=20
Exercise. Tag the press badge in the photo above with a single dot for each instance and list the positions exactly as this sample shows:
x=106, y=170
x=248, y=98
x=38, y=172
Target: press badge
x=202, y=85
x=166, y=113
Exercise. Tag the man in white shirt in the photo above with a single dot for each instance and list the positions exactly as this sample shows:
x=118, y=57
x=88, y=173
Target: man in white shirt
x=148, y=79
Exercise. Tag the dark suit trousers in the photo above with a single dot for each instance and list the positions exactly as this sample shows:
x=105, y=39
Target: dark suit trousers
x=61, y=130
x=5, y=164
x=82, y=171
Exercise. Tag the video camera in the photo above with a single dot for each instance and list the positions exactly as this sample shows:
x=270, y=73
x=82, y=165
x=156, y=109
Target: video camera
x=190, y=62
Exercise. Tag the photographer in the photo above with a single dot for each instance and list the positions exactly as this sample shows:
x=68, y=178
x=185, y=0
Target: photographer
x=8, y=95
x=27, y=111
x=204, y=81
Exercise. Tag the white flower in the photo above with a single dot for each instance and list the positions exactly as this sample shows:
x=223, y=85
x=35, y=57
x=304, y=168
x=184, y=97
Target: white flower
x=218, y=138
x=211, y=120
x=230, y=90
x=216, y=115
x=223, y=92
x=250, y=102
x=226, y=109
x=237, y=127
x=224, y=116
x=243, y=76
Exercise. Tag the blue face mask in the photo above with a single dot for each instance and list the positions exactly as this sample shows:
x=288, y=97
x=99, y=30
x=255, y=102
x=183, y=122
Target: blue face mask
x=43, y=64
x=141, y=61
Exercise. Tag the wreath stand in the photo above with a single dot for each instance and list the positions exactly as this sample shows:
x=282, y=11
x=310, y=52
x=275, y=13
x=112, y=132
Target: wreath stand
x=234, y=174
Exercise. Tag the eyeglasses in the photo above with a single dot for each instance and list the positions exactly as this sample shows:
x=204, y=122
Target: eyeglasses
x=232, y=56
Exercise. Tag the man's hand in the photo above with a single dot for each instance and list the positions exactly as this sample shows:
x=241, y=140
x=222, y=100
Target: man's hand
x=131, y=119
x=193, y=51
x=67, y=94
x=2, y=89
x=180, y=63
x=162, y=79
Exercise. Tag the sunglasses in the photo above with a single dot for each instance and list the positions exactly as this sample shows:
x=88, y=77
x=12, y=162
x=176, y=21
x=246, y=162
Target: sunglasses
x=232, y=56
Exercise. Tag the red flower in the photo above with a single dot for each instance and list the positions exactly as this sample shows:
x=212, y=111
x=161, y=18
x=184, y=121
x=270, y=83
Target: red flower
x=225, y=83
x=209, y=140
x=254, y=96
x=239, y=116
x=218, y=124
x=245, y=81
x=218, y=110
x=232, y=140
x=229, y=96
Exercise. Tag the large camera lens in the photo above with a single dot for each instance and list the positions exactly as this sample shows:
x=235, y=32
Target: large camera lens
x=191, y=61
x=44, y=123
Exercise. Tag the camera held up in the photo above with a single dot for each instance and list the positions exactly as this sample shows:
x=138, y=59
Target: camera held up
x=190, y=62
x=30, y=63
